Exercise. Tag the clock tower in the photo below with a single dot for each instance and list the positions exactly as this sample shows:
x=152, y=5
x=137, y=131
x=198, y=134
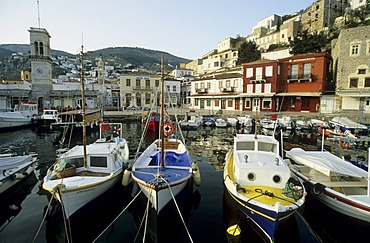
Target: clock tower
x=41, y=66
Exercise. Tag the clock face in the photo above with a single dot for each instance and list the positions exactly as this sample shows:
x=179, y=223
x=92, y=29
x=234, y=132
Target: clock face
x=39, y=70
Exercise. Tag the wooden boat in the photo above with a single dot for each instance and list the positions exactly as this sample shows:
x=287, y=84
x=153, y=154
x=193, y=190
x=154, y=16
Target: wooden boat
x=261, y=183
x=165, y=167
x=24, y=115
x=333, y=181
x=152, y=122
x=14, y=168
x=87, y=171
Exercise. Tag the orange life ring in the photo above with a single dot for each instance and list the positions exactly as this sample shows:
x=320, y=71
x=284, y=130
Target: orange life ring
x=344, y=145
x=169, y=129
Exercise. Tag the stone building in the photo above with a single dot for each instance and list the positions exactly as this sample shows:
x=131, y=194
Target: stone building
x=351, y=66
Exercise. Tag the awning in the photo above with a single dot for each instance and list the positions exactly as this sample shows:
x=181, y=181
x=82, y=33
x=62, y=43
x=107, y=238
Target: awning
x=305, y=94
x=353, y=94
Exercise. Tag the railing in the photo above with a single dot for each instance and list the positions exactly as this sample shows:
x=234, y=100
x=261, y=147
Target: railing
x=202, y=90
x=228, y=89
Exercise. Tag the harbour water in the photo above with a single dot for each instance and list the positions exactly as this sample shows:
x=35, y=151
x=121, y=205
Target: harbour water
x=108, y=219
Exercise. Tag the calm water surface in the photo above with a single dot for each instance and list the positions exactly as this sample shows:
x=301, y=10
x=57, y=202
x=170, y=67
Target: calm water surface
x=207, y=213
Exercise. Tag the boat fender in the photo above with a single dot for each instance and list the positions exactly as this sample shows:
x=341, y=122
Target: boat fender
x=18, y=176
x=318, y=189
x=196, y=173
x=126, y=177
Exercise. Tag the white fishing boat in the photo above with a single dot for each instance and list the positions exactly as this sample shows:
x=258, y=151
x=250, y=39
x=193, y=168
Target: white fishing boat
x=344, y=123
x=231, y=121
x=192, y=120
x=261, y=183
x=245, y=120
x=165, y=167
x=24, y=115
x=220, y=122
x=87, y=171
x=333, y=181
x=14, y=168
x=48, y=117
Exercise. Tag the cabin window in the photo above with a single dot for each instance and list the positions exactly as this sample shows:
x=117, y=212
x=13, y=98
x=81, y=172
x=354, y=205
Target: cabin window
x=98, y=161
x=251, y=176
x=78, y=162
x=268, y=147
x=276, y=179
x=245, y=146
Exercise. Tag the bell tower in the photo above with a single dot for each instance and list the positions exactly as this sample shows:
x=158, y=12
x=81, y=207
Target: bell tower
x=41, y=65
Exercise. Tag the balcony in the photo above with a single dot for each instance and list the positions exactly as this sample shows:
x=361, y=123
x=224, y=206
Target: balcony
x=258, y=80
x=201, y=90
x=228, y=89
x=299, y=78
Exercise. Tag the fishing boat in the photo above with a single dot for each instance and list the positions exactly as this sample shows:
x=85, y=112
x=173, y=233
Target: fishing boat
x=261, y=183
x=245, y=120
x=232, y=121
x=344, y=124
x=220, y=122
x=192, y=120
x=85, y=172
x=333, y=182
x=165, y=167
x=24, y=115
x=15, y=168
x=72, y=121
x=152, y=121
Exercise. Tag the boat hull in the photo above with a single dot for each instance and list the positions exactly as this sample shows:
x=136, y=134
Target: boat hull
x=75, y=198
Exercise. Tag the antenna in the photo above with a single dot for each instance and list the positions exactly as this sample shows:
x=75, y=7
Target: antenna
x=38, y=13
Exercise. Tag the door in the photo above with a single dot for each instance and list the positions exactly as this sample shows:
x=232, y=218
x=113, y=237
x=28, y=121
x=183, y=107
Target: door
x=237, y=104
x=201, y=103
x=256, y=104
x=223, y=104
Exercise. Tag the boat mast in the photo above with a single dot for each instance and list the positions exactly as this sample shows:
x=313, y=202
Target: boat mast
x=83, y=106
x=161, y=125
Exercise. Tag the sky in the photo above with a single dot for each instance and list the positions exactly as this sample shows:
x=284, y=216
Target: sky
x=187, y=29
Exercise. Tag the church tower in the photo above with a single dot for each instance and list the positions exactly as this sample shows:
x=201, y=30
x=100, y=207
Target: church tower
x=41, y=66
x=101, y=72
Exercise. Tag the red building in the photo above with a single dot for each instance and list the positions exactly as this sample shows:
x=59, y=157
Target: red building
x=303, y=80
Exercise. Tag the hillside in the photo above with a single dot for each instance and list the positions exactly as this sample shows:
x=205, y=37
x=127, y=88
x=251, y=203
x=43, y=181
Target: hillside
x=117, y=56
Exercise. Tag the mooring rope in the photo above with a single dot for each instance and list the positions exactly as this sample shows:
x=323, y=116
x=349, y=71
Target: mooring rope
x=178, y=209
x=128, y=205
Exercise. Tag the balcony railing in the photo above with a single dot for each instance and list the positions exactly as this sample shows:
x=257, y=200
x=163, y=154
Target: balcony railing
x=142, y=88
x=299, y=78
x=228, y=89
x=201, y=90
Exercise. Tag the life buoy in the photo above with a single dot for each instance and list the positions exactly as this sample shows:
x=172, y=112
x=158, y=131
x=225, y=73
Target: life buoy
x=344, y=145
x=169, y=129
x=116, y=130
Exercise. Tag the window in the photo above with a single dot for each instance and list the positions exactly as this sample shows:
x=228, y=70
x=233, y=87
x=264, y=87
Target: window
x=258, y=88
x=250, y=88
x=217, y=103
x=307, y=70
x=247, y=103
x=147, y=83
x=156, y=83
x=236, y=83
x=230, y=103
x=361, y=71
x=202, y=85
x=208, y=102
x=227, y=83
x=268, y=71
x=267, y=88
x=168, y=88
x=259, y=73
x=174, y=88
x=353, y=83
x=98, y=161
x=216, y=64
x=367, y=82
x=266, y=103
x=196, y=102
x=305, y=103
x=196, y=86
x=220, y=84
x=147, y=98
x=249, y=72
x=294, y=71
x=209, y=85
x=355, y=49
x=138, y=83
x=128, y=82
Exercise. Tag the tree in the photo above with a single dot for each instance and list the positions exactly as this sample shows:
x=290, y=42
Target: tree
x=308, y=43
x=248, y=52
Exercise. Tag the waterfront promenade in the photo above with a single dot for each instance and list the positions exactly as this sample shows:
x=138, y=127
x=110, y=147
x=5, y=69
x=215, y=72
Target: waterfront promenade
x=358, y=116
